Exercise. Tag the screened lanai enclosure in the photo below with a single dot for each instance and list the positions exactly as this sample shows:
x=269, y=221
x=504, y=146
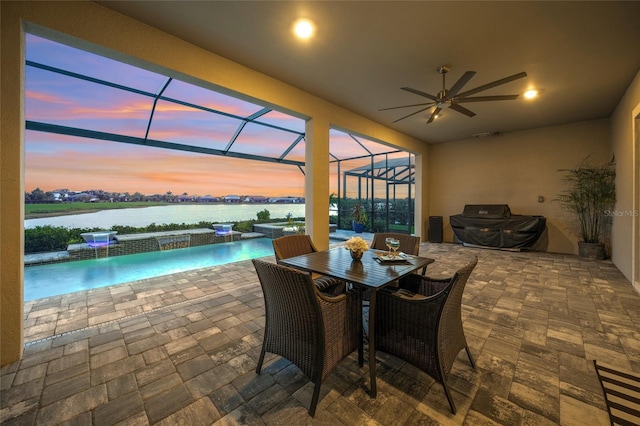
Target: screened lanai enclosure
x=384, y=186
x=108, y=116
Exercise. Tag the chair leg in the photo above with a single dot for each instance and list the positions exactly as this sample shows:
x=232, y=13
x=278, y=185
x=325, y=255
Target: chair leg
x=473, y=365
x=449, y=397
x=260, y=360
x=314, y=398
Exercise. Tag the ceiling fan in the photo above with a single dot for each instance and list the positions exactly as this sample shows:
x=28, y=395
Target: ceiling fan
x=452, y=99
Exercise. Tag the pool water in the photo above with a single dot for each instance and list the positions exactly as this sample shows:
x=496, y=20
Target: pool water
x=61, y=278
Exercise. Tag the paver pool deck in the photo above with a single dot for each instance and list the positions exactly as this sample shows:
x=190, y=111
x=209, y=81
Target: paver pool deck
x=182, y=349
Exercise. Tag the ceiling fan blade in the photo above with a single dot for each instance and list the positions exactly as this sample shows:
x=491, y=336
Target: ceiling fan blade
x=433, y=115
x=460, y=83
x=491, y=85
x=406, y=106
x=413, y=113
x=488, y=98
x=462, y=110
x=420, y=93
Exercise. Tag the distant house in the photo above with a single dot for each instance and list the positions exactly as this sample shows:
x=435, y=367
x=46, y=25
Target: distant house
x=208, y=199
x=286, y=200
x=184, y=198
x=80, y=196
x=255, y=199
x=58, y=197
x=231, y=199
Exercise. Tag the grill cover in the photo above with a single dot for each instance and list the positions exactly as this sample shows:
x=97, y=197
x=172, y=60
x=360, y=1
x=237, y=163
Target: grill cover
x=493, y=225
x=487, y=211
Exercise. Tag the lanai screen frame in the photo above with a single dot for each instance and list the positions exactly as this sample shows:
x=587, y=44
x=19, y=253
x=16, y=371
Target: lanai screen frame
x=391, y=172
x=375, y=172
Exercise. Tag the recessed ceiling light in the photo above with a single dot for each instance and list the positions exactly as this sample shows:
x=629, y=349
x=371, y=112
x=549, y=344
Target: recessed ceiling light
x=530, y=94
x=303, y=28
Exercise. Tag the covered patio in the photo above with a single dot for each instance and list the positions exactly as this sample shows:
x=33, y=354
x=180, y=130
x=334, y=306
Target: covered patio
x=182, y=349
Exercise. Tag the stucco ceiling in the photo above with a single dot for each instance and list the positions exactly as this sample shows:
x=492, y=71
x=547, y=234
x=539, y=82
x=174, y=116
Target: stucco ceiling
x=581, y=56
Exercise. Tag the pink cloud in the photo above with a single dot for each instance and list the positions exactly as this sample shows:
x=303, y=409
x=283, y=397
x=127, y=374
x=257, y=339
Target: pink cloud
x=157, y=171
x=57, y=161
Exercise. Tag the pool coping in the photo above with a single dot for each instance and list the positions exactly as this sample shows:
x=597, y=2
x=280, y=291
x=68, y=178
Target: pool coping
x=81, y=251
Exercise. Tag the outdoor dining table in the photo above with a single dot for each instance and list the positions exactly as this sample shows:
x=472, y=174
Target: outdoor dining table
x=367, y=273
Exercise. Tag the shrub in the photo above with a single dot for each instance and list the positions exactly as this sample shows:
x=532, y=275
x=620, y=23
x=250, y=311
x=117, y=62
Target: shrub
x=45, y=238
x=244, y=226
x=263, y=215
x=57, y=238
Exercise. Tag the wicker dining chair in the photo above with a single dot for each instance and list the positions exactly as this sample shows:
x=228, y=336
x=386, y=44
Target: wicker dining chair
x=408, y=243
x=296, y=245
x=312, y=330
x=421, y=323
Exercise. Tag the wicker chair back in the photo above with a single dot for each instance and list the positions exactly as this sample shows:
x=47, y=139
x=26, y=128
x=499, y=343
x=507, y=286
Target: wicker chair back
x=408, y=243
x=422, y=323
x=296, y=245
x=313, y=331
x=293, y=245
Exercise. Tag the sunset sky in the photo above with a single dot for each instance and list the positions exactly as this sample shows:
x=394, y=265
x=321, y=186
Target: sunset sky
x=54, y=161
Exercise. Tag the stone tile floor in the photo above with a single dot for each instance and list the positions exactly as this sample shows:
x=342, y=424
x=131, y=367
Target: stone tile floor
x=182, y=350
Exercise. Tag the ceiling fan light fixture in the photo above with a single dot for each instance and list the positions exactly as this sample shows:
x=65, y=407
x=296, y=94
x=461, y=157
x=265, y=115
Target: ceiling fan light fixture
x=452, y=98
x=530, y=94
x=444, y=104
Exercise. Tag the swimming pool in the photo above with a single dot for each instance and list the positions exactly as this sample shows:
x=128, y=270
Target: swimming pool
x=61, y=278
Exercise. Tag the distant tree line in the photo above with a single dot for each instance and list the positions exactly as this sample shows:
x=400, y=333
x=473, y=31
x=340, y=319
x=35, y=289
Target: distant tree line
x=38, y=196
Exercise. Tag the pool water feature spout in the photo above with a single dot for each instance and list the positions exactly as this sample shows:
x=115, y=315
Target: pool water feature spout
x=100, y=241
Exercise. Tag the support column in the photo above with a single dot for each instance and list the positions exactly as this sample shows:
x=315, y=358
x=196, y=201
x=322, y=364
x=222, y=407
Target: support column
x=316, y=184
x=11, y=186
x=422, y=196
x=635, y=226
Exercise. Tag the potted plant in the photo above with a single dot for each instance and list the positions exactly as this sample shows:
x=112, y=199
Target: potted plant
x=590, y=196
x=359, y=217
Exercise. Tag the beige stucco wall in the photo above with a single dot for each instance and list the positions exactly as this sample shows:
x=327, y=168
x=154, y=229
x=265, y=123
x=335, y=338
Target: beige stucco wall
x=515, y=169
x=625, y=232
x=89, y=26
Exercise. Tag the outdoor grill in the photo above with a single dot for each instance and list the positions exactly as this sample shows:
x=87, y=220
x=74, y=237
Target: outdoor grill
x=493, y=225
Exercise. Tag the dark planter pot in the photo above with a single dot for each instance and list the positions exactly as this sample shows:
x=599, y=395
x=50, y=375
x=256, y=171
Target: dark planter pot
x=357, y=227
x=591, y=250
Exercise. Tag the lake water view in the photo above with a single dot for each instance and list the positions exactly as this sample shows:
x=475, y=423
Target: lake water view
x=144, y=216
